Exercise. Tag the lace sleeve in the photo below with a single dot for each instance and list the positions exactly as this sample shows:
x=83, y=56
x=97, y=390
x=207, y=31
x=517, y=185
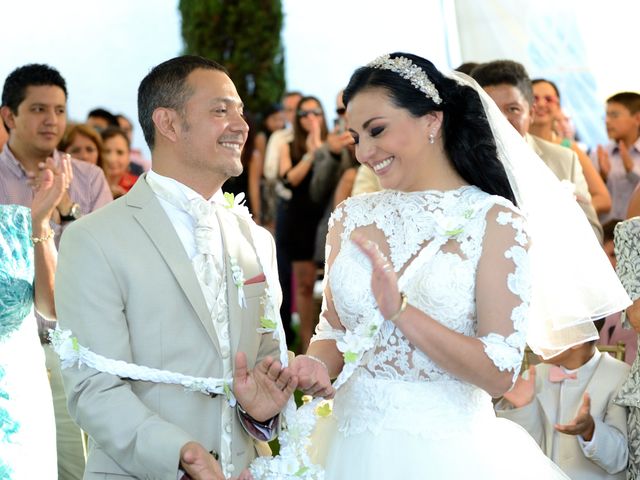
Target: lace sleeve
x=329, y=326
x=503, y=289
x=627, y=241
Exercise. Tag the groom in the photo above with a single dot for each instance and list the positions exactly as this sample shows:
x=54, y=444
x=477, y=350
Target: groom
x=149, y=280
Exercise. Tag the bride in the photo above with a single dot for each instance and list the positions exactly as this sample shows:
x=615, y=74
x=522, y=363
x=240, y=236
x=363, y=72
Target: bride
x=431, y=283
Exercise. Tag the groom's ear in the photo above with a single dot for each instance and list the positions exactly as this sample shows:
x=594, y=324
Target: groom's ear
x=167, y=123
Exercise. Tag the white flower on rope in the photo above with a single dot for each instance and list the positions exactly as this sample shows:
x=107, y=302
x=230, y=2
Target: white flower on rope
x=293, y=462
x=71, y=353
x=238, y=279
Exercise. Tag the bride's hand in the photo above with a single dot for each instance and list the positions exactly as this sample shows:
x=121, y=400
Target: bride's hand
x=384, y=282
x=313, y=376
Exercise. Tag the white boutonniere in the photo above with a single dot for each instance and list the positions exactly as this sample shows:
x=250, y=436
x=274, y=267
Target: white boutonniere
x=238, y=279
x=268, y=324
x=236, y=203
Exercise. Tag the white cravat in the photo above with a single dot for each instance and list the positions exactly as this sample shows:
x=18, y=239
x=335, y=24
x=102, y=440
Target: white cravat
x=196, y=224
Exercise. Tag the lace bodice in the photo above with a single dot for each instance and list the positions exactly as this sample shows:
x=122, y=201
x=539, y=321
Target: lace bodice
x=460, y=257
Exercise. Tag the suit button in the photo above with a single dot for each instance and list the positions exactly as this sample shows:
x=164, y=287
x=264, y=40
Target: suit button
x=227, y=428
x=231, y=468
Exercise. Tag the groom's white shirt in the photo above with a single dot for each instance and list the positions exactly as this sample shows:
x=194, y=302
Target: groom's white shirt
x=184, y=223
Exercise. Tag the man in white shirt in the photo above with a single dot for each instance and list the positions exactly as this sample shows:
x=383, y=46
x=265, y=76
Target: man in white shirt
x=173, y=277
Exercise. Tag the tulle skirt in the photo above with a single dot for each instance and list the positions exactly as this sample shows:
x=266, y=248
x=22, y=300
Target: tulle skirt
x=422, y=431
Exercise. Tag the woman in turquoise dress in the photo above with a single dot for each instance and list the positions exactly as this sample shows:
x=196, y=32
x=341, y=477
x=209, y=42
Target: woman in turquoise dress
x=27, y=266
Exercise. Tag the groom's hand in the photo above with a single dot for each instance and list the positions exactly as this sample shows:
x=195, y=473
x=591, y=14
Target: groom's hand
x=263, y=391
x=198, y=463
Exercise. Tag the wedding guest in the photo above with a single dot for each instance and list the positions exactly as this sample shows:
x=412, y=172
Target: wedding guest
x=546, y=109
x=101, y=119
x=612, y=332
x=298, y=218
x=274, y=120
x=138, y=163
x=82, y=142
x=4, y=136
x=28, y=262
x=271, y=172
x=619, y=161
x=333, y=173
x=428, y=298
x=566, y=404
x=34, y=108
x=627, y=241
x=508, y=84
x=115, y=161
x=181, y=274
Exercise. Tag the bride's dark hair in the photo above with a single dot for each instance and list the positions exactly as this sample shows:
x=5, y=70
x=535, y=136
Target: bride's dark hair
x=467, y=137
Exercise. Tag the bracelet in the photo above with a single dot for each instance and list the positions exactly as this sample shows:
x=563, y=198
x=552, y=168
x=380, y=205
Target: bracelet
x=307, y=157
x=404, y=302
x=47, y=236
x=319, y=361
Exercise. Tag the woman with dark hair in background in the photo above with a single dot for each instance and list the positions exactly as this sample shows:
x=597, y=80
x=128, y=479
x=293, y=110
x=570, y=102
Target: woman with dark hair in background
x=82, y=142
x=273, y=120
x=115, y=161
x=297, y=218
x=429, y=290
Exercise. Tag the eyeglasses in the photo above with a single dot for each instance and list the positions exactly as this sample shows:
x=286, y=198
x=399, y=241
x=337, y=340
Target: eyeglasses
x=546, y=98
x=304, y=113
x=341, y=111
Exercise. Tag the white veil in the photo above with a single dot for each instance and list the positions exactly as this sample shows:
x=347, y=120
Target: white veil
x=573, y=282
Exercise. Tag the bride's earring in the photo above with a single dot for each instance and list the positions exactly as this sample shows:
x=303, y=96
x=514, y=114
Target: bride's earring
x=432, y=138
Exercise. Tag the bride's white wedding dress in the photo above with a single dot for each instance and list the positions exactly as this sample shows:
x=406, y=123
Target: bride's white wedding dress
x=461, y=258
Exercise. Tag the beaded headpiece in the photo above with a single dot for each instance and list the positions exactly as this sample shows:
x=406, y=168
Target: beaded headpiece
x=407, y=69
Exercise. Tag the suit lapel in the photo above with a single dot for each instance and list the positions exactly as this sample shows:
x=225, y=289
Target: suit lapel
x=237, y=245
x=548, y=395
x=154, y=221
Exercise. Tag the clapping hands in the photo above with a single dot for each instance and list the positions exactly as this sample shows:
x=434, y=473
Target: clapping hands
x=314, y=137
x=50, y=187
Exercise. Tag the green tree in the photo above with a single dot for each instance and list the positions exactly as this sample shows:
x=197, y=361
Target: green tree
x=244, y=36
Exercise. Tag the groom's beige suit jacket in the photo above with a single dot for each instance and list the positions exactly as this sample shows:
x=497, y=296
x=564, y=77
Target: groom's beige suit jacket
x=127, y=290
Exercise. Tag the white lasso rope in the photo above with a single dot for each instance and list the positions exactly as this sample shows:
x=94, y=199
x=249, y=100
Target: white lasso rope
x=71, y=353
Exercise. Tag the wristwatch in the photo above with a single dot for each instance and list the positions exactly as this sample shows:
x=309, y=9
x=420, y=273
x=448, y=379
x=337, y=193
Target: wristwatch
x=74, y=213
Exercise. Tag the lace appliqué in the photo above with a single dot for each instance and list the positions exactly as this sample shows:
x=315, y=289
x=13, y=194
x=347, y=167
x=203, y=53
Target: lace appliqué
x=506, y=353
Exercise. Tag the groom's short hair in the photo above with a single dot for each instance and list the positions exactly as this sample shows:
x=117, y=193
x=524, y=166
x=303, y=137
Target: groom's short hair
x=165, y=86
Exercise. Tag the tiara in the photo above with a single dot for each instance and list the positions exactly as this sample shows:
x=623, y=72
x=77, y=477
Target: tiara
x=407, y=69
